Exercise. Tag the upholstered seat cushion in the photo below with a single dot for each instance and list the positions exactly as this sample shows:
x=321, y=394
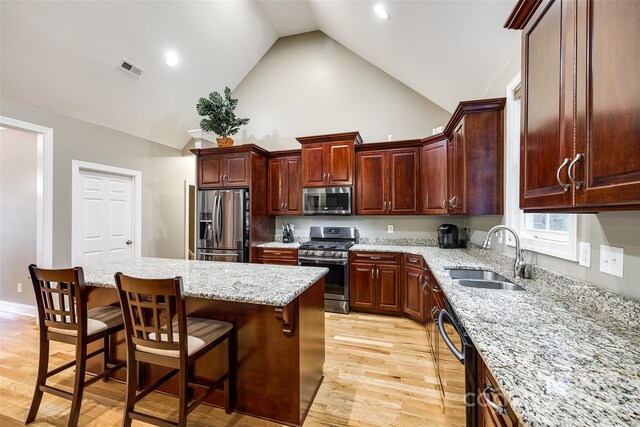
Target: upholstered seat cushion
x=98, y=320
x=200, y=332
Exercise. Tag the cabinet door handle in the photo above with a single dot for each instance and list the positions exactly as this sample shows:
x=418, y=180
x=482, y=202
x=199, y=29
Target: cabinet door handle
x=329, y=176
x=373, y=273
x=374, y=257
x=285, y=206
x=571, y=168
x=565, y=187
x=452, y=202
x=444, y=204
x=413, y=259
x=485, y=394
x=434, y=312
x=221, y=179
x=378, y=273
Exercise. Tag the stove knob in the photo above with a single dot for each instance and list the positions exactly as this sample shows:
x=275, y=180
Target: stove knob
x=333, y=254
x=306, y=252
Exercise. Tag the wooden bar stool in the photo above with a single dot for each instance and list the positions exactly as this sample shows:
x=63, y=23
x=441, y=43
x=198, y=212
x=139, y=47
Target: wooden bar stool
x=159, y=332
x=63, y=316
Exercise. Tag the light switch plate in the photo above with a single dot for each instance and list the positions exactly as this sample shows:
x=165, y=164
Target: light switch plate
x=390, y=228
x=585, y=254
x=611, y=260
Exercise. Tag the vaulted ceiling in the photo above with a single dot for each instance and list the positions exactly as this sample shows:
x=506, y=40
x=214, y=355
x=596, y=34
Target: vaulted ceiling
x=63, y=56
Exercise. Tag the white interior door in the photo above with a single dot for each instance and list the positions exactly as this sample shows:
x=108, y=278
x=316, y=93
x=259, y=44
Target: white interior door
x=105, y=228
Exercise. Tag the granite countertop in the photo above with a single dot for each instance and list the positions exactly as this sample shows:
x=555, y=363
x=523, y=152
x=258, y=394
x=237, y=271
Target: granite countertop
x=275, y=285
x=280, y=245
x=563, y=352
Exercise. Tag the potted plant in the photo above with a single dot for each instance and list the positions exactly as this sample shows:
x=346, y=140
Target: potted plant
x=219, y=116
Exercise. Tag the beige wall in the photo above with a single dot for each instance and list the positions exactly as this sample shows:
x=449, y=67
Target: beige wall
x=309, y=84
x=620, y=229
x=18, y=203
x=163, y=173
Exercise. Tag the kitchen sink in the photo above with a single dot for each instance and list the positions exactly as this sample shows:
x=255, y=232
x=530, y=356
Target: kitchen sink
x=490, y=284
x=459, y=273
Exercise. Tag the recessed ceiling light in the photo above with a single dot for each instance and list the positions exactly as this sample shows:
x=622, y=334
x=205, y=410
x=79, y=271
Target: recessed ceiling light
x=381, y=11
x=171, y=58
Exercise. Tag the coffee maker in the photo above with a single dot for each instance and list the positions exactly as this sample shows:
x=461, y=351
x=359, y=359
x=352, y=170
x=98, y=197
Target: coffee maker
x=448, y=236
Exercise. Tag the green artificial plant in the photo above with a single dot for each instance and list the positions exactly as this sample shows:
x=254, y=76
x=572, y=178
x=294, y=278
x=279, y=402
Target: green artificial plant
x=219, y=114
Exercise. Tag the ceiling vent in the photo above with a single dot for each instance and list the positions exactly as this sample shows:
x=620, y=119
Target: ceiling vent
x=131, y=68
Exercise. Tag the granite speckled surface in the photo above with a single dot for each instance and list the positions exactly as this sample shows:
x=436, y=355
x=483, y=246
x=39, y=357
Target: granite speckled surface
x=564, y=352
x=267, y=284
x=280, y=245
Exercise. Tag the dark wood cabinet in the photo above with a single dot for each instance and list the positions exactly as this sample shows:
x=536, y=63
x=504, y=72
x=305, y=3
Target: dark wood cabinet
x=462, y=168
x=280, y=256
x=433, y=177
x=375, y=282
x=224, y=170
x=581, y=114
x=456, y=171
x=328, y=160
x=414, y=297
x=371, y=182
x=387, y=181
x=285, y=190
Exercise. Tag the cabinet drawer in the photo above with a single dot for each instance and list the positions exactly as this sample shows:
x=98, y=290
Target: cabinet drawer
x=279, y=254
x=413, y=261
x=376, y=257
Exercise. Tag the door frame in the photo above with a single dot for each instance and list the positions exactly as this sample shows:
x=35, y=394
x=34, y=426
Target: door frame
x=77, y=167
x=188, y=183
x=44, y=204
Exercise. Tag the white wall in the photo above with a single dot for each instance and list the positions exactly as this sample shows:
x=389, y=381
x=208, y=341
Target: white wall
x=620, y=229
x=163, y=169
x=18, y=203
x=309, y=84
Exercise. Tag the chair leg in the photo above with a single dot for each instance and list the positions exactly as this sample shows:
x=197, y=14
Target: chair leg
x=132, y=386
x=184, y=396
x=105, y=356
x=78, y=386
x=41, y=379
x=227, y=382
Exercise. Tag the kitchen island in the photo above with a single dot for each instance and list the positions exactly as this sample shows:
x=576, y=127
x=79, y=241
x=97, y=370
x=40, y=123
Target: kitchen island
x=278, y=315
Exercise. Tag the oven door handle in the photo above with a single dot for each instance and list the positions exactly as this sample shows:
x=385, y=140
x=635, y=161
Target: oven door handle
x=457, y=353
x=322, y=261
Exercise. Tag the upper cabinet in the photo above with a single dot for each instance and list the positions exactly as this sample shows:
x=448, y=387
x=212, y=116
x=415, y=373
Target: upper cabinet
x=228, y=169
x=285, y=189
x=433, y=177
x=581, y=105
x=387, y=180
x=328, y=160
x=462, y=169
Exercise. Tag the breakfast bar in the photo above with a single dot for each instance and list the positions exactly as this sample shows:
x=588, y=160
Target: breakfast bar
x=278, y=315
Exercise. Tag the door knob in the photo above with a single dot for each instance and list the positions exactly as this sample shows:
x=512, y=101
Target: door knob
x=128, y=242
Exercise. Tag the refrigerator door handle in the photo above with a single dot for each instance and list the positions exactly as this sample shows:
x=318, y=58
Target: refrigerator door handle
x=216, y=212
x=219, y=219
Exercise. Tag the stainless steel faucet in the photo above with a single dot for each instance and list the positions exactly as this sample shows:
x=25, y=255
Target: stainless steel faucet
x=520, y=266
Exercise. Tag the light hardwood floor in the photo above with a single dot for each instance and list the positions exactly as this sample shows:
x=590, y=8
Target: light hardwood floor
x=378, y=372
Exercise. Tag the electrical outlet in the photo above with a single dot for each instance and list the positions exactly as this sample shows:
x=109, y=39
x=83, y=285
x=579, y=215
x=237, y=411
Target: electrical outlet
x=390, y=228
x=585, y=254
x=611, y=260
x=19, y=287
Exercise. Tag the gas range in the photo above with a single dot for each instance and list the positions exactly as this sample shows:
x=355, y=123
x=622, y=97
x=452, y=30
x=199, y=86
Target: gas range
x=328, y=243
x=329, y=247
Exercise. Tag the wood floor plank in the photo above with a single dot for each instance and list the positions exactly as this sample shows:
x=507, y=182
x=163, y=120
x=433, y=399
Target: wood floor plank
x=378, y=373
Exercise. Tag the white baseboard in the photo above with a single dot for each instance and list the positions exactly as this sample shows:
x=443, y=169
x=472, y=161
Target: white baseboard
x=17, y=308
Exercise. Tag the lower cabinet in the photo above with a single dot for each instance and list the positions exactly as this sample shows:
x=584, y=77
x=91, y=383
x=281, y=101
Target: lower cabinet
x=493, y=409
x=375, y=282
x=277, y=256
x=414, y=297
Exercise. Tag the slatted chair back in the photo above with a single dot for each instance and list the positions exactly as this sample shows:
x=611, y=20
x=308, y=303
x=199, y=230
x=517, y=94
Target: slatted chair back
x=151, y=308
x=60, y=298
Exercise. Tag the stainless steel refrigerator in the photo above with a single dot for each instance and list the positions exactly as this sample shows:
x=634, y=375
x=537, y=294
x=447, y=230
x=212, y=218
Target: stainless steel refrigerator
x=223, y=225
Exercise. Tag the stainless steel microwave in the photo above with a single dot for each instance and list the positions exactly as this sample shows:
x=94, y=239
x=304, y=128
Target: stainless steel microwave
x=327, y=201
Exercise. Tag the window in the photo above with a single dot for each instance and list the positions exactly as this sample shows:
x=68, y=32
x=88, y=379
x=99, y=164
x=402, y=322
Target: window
x=552, y=234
